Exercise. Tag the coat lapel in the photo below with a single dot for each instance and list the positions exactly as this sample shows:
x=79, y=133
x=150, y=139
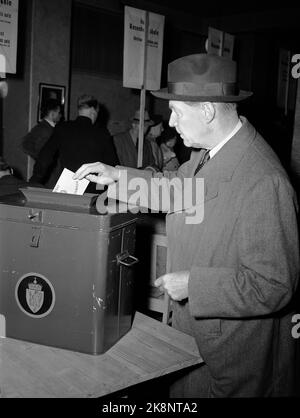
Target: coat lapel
x=221, y=167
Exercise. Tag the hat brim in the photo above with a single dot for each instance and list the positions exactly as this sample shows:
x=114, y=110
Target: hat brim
x=164, y=94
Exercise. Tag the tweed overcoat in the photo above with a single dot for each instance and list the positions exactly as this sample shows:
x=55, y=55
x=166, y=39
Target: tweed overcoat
x=243, y=260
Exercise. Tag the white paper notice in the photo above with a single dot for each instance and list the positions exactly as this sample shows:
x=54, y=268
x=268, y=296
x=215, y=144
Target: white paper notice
x=66, y=184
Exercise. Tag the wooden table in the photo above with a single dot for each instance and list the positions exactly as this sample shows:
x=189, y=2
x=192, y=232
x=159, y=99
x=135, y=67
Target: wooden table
x=148, y=351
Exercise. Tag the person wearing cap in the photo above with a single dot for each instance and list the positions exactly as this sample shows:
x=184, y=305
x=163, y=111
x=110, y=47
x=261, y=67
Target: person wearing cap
x=76, y=142
x=126, y=143
x=234, y=275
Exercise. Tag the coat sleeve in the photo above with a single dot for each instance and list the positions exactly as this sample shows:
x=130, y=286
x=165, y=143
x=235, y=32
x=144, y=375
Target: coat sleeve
x=35, y=139
x=162, y=192
x=266, y=235
x=46, y=159
x=110, y=155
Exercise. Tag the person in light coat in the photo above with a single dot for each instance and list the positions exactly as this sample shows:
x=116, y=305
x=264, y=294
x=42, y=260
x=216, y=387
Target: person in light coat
x=234, y=275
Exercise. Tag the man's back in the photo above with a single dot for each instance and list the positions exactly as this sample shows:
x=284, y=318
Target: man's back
x=34, y=141
x=80, y=140
x=75, y=143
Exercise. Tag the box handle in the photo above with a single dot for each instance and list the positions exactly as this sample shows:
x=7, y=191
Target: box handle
x=126, y=260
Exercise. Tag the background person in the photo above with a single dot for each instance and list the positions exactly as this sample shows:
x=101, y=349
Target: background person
x=76, y=142
x=34, y=141
x=168, y=140
x=152, y=136
x=126, y=143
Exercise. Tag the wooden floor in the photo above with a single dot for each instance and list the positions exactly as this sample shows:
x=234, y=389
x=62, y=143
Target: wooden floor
x=150, y=350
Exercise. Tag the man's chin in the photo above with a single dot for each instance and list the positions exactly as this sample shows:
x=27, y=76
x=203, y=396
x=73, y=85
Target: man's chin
x=190, y=144
x=186, y=143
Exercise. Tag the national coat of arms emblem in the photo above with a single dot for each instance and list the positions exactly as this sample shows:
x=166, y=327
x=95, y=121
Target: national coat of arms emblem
x=35, y=296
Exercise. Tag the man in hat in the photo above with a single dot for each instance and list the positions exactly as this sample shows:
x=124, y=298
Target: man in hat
x=234, y=275
x=126, y=143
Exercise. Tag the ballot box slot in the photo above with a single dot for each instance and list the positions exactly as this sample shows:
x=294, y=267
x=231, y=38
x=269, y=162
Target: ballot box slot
x=48, y=197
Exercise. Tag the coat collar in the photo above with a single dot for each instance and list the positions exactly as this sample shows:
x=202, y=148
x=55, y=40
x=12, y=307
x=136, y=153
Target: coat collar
x=84, y=120
x=222, y=166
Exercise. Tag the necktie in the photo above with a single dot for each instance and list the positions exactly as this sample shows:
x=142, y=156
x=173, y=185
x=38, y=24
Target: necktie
x=203, y=160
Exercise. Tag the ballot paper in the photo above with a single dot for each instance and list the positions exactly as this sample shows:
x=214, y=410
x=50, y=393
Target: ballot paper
x=66, y=184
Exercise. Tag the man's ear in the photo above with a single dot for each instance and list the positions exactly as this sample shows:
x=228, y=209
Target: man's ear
x=209, y=111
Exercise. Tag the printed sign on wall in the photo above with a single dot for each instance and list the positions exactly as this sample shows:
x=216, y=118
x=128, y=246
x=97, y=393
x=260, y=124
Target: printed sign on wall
x=134, y=41
x=228, y=45
x=215, y=41
x=220, y=43
x=8, y=36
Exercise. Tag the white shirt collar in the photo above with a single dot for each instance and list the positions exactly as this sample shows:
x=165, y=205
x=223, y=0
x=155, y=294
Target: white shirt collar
x=50, y=122
x=217, y=148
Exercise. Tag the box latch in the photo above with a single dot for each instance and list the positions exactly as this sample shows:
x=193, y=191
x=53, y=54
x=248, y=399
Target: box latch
x=35, y=215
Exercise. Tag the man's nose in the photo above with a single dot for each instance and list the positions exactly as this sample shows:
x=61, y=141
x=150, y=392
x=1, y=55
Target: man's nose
x=172, y=121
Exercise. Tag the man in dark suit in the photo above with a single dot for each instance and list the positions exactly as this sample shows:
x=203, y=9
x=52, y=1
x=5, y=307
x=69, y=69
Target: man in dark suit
x=34, y=141
x=76, y=142
x=233, y=275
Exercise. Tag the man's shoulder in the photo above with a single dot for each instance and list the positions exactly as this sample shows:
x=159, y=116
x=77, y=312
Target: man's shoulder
x=261, y=167
x=65, y=126
x=103, y=131
x=121, y=137
x=42, y=126
x=263, y=158
x=251, y=152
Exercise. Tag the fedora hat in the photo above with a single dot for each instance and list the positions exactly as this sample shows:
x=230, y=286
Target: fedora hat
x=202, y=78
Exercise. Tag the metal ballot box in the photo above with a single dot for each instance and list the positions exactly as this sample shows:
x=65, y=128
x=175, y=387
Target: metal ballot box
x=65, y=278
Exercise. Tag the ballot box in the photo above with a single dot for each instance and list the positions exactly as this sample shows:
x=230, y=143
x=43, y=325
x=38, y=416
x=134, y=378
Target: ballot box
x=66, y=276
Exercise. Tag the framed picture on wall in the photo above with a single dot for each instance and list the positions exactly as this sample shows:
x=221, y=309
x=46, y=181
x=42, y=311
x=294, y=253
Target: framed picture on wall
x=50, y=91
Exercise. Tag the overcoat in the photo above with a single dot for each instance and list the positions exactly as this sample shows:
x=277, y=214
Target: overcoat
x=243, y=260
x=34, y=141
x=74, y=143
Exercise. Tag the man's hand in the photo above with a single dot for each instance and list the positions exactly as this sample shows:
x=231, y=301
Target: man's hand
x=105, y=173
x=175, y=284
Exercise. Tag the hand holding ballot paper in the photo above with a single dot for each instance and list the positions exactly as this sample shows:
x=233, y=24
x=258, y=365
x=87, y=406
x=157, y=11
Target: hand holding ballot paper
x=66, y=184
x=99, y=173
